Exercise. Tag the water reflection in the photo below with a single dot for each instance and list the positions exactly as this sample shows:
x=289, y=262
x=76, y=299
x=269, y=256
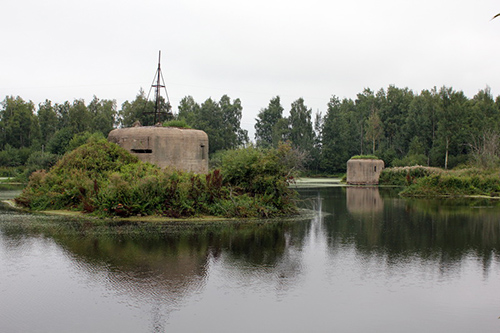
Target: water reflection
x=358, y=238
x=362, y=200
x=438, y=230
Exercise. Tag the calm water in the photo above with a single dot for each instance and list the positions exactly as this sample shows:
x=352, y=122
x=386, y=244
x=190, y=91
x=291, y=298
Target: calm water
x=364, y=261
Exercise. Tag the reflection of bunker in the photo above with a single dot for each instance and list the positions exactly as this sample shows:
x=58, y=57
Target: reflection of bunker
x=180, y=148
x=364, y=171
x=364, y=200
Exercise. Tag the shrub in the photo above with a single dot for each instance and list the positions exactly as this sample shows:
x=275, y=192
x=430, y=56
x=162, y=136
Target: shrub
x=455, y=183
x=404, y=176
x=10, y=172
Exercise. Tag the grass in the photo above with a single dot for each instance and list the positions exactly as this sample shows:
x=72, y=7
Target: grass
x=364, y=157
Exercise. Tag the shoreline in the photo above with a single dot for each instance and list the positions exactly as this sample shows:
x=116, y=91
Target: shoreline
x=302, y=214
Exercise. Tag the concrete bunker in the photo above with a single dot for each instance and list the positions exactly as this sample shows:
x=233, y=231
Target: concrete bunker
x=364, y=171
x=179, y=148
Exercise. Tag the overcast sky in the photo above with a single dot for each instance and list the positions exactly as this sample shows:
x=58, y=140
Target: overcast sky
x=253, y=50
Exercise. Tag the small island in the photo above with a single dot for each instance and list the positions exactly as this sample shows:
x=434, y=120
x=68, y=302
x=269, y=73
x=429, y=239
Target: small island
x=105, y=180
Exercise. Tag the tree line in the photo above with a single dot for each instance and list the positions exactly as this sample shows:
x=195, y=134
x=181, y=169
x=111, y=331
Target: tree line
x=437, y=127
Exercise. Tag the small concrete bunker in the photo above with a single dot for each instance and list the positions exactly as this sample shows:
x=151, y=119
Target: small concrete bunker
x=364, y=171
x=179, y=148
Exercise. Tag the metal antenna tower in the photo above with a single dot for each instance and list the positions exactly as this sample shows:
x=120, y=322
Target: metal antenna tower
x=160, y=108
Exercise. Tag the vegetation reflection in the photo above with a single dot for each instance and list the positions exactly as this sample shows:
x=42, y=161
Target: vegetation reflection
x=445, y=231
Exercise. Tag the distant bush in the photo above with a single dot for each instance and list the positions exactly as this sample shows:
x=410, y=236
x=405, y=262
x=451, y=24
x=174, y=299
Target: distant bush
x=38, y=161
x=405, y=176
x=10, y=172
x=454, y=184
x=14, y=157
x=431, y=182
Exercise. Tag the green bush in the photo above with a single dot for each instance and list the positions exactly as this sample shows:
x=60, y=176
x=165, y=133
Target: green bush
x=14, y=157
x=404, y=176
x=11, y=172
x=455, y=183
x=263, y=173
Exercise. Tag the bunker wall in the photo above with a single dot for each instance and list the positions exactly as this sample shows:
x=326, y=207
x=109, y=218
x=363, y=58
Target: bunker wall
x=364, y=171
x=182, y=149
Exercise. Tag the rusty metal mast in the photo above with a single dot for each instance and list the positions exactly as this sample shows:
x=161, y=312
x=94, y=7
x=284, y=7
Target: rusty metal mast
x=158, y=105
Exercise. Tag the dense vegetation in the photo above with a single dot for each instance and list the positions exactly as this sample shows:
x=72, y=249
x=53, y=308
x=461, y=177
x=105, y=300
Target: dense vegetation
x=102, y=178
x=437, y=127
x=435, y=182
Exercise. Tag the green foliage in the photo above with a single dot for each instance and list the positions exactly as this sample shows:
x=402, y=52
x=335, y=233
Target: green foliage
x=9, y=157
x=301, y=128
x=404, y=176
x=14, y=157
x=95, y=157
x=267, y=124
x=10, y=172
x=431, y=182
x=18, y=123
x=81, y=138
x=39, y=161
x=139, y=109
x=339, y=132
x=220, y=120
x=410, y=160
x=455, y=184
x=364, y=157
x=180, y=123
x=373, y=129
x=103, y=115
x=439, y=127
x=262, y=174
x=101, y=178
x=47, y=118
x=59, y=142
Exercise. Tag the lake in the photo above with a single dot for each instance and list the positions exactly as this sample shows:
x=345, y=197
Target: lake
x=359, y=260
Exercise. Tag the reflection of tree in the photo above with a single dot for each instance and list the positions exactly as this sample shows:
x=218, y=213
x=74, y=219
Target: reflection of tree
x=166, y=262
x=165, y=265
x=162, y=264
x=440, y=231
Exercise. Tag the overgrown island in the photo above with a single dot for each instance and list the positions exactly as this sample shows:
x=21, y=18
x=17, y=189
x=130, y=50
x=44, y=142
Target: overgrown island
x=103, y=179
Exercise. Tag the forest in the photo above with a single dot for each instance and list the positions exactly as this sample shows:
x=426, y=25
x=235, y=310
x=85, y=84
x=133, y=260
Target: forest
x=439, y=127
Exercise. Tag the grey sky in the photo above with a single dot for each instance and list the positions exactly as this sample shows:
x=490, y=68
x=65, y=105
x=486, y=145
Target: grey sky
x=253, y=50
